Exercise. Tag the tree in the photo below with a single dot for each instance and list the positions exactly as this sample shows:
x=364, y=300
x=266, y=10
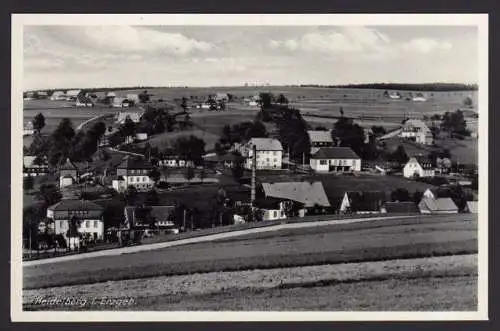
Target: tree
x=103, y=155
x=265, y=99
x=454, y=123
x=144, y=96
x=28, y=183
x=128, y=128
x=399, y=155
x=468, y=102
x=190, y=148
x=189, y=173
x=49, y=194
x=400, y=194
x=131, y=195
x=39, y=122
x=378, y=130
x=184, y=104
x=152, y=198
x=417, y=196
x=282, y=100
x=238, y=170
x=349, y=135
x=74, y=224
x=61, y=142
x=155, y=175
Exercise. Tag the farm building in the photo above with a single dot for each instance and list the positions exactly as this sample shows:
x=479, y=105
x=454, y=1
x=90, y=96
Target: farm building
x=221, y=97
x=339, y=159
x=308, y=194
x=72, y=94
x=32, y=169
x=68, y=174
x=418, y=166
x=133, y=172
x=137, y=217
x=400, y=207
x=367, y=202
x=269, y=153
x=132, y=98
x=471, y=207
x=171, y=159
x=437, y=206
x=320, y=139
x=272, y=208
x=28, y=129
x=87, y=213
x=418, y=131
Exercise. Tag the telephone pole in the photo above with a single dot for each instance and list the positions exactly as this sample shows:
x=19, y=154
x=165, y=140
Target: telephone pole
x=252, y=193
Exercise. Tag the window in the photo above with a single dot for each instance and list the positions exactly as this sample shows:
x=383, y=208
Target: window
x=131, y=179
x=96, y=224
x=61, y=224
x=322, y=162
x=275, y=214
x=87, y=224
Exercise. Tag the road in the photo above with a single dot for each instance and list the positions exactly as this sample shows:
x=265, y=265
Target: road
x=295, y=245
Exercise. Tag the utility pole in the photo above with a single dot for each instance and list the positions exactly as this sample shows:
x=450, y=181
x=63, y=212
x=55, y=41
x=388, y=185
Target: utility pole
x=184, y=220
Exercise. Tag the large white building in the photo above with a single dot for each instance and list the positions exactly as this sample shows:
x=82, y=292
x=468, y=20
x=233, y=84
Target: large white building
x=87, y=213
x=418, y=166
x=269, y=153
x=133, y=172
x=417, y=131
x=338, y=159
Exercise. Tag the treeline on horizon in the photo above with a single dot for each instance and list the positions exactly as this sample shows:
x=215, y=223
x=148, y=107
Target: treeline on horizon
x=425, y=87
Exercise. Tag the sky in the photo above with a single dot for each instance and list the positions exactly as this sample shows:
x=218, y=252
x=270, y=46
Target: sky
x=114, y=56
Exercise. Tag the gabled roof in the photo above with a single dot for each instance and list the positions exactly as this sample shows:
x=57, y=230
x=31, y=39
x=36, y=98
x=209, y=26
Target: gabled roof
x=75, y=205
x=68, y=165
x=307, y=193
x=320, y=136
x=472, y=206
x=134, y=163
x=439, y=204
x=414, y=123
x=266, y=144
x=335, y=153
x=401, y=207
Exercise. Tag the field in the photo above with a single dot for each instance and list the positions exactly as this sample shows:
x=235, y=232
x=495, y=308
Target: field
x=441, y=235
x=432, y=284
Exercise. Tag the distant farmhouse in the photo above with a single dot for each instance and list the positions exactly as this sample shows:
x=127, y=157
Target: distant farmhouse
x=417, y=131
x=320, y=139
x=32, y=169
x=338, y=159
x=58, y=95
x=122, y=116
x=133, y=172
x=269, y=153
x=28, y=129
x=159, y=217
x=419, y=166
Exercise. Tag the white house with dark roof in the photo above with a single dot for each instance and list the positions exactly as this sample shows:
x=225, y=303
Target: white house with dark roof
x=417, y=131
x=319, y=139
x=88, y=214
x=269, y=153
x=133, y=172
x=340, y=159
x=419, y=166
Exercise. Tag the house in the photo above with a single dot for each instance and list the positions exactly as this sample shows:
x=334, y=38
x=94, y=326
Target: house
x=221, y=97
x=133, y=172
x=68, y=174
x=367, y=202
x=417, y=131
x=434, y=193
x=32, y=169
x=400, y=207
x=160, y=217
x=122, y=116
x=171, y=159
x=42, y=94
x=320, y=139
x=419, y=99
x=88, y=214
x=72, y=95
x=269, y=153
x=226, y=160
x=341, y=159
x=308, y=194
x=120, y=103
x=437, y=206
x=132, y=98
x=28, y=129
x=272, y=208
x=58, y=95
x=419, y=166
x=110, y=97
x=471, y=207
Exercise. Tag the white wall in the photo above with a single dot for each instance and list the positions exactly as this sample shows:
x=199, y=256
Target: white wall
x=316, y=164
x=265, y=160
x=273, y=214
x=94, y=226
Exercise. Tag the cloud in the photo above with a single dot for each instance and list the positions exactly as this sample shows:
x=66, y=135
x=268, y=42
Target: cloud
x=138, y=39
x=426, y=45
x=348, y=39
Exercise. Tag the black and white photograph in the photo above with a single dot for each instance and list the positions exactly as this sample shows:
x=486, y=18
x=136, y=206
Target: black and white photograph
x=260, y=167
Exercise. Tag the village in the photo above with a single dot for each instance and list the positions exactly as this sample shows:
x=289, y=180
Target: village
x=107, y=183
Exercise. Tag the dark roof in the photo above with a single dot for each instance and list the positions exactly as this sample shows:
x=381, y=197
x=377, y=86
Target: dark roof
x=401, y=207
x=335, y=153
x=269, y=202
x=160, y=213
x=367, y=200
x=75, y=205
x=134, y=163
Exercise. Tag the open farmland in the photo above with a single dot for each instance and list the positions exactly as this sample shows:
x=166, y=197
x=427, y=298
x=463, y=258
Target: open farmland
x=430, y=236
